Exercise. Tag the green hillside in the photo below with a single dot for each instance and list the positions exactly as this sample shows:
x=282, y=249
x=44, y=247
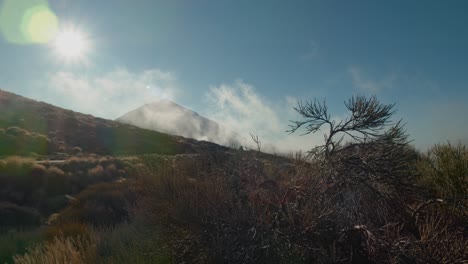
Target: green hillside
x=28, y=126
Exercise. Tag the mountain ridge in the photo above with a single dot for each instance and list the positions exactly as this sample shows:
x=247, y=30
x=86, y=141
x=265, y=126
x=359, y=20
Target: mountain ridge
x=28, y=126
x=169, y=117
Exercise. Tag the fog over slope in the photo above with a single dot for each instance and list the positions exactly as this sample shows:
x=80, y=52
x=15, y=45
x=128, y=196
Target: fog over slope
x=169, y=117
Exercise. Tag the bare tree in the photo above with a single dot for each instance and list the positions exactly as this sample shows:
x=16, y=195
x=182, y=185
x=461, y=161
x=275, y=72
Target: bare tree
x=369, y=120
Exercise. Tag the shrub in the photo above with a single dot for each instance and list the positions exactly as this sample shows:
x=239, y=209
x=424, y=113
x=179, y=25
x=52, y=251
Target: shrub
x=17, y=141
x=444, y=170
x=18, y=216
x=57, y=182
x=16, y=166
x=102, y=204
x=77, y=150
x=20, y=180
x=96, y=172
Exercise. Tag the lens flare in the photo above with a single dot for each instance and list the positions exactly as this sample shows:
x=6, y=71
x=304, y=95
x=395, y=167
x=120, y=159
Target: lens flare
x=41, y=25
x=27, y=22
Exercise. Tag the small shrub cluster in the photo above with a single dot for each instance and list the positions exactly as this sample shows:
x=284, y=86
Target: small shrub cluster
x=18, y=141
x=25, y=183
x=40, y=189
x=102, y=204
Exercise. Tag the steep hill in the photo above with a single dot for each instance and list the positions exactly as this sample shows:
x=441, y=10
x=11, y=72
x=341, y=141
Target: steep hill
x=169, y=117
x=28, y=126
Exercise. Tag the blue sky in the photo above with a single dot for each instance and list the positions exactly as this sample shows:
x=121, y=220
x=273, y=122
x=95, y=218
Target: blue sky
x=245, y=63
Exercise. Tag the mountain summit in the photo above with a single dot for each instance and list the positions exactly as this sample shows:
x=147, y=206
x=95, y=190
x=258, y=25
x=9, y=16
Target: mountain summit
x=168, y=117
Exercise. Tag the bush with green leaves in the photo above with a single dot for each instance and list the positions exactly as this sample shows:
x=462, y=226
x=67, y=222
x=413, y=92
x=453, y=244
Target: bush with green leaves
x=444, y=170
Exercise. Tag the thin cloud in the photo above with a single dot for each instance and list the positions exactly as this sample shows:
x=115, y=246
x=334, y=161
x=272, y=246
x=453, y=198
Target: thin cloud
x=111, y=94
x=239, y=108
x=366, y=84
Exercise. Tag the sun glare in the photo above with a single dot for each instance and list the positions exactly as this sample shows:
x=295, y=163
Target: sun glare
x=70, y=45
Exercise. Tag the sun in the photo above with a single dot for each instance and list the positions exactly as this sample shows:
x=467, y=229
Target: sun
x=71, y=45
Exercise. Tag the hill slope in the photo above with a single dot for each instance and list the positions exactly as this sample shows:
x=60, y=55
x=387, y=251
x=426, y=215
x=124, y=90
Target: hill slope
x=30, y=126
x=169, y=117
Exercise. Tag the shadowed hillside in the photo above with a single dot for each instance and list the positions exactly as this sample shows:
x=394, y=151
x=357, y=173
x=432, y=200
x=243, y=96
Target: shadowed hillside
x=28, y=126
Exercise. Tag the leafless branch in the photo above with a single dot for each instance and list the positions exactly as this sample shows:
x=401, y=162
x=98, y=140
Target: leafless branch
x=368, y=121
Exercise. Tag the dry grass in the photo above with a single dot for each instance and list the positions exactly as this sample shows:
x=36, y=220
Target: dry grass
x=73, y=250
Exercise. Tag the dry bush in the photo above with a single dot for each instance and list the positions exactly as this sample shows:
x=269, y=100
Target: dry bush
x=231, y=211
x=442, y=240
x=357, y=206
x=97, y=171
x=38, y=170
x=56, y=182
x=374, y=183
x=102, y=204
x=19, y=180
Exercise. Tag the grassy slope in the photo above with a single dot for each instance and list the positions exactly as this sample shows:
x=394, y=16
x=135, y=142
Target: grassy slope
x=46, y=129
